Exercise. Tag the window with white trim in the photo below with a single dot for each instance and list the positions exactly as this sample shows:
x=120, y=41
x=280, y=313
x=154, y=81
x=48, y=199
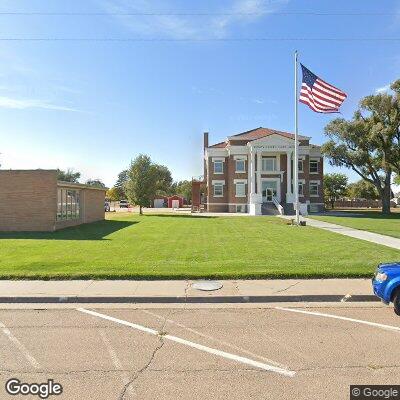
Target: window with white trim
x=301, y=188
x=240, y=166
x=314, y=189
x=300, y=165
x=218, y=189
x=313, y=166
x=269, y=163
x=218, y=167
x=240, y=189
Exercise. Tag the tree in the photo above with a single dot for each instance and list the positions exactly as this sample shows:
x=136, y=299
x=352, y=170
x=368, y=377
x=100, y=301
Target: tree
x=68, y=176
x=184, y=189
x=363, y=190
x=335, y=187
x=369, y=143
x=164, y=180
x=113, y=194
x=120, y=184
x=95, y=183
x=141, y=185
x=397, y=179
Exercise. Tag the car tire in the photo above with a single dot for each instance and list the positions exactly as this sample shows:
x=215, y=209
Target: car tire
x=396, y=302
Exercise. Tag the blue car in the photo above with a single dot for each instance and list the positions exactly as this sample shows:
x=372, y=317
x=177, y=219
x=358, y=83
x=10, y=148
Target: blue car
x=386, y=284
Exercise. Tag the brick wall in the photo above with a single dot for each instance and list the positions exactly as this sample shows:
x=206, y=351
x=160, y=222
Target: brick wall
x=28, y=200
x=93, y=205
x=218, y=204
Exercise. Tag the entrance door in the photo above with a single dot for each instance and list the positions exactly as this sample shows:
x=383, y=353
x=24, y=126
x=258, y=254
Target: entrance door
x=175, y=204
x=269, y=190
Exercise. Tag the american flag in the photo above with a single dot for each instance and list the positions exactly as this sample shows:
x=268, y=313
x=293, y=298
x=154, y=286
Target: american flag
x=318, y=95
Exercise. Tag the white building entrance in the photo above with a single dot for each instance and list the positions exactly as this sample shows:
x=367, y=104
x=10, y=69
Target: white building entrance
x=270, y=188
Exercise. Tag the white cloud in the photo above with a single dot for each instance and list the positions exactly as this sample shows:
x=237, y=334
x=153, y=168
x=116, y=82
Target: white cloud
x=188, y=27
x=383, y=89
x=8, y=102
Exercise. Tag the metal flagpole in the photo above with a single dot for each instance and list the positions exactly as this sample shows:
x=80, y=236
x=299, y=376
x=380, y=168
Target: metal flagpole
x=296, y=144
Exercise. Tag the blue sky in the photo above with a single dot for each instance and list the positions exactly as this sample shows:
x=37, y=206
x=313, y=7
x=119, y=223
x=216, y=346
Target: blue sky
x=93, y=106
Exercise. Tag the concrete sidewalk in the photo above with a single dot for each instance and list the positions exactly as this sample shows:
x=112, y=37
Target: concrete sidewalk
x=120, y=291
x=383, y=240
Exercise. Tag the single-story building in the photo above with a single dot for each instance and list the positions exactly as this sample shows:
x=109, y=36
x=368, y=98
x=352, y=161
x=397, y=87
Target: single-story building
x=34, y=200
x=160, y=202
x=174, y=201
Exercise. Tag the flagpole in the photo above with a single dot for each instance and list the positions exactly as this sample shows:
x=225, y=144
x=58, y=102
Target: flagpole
x=296, y=143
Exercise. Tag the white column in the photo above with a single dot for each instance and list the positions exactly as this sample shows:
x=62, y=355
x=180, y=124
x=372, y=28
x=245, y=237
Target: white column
x=289, y=193
x=252, y=172
x=255, y=199
x=259, y=168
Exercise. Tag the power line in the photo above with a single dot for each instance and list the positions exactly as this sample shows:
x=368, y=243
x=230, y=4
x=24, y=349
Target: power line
x=188, y=13
x=261, y=39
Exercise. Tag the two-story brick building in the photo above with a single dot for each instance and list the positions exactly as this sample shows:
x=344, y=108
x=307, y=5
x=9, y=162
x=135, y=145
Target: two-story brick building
x=252, y=172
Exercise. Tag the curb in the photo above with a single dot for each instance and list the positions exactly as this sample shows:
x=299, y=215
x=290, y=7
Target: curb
x=190, y=300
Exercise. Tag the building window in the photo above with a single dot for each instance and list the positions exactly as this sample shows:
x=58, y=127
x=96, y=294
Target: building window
x=240, y=189
x=218, y=167
x=313, y=166
x=218, y=189
x=269, y=163
x=300, y=165
x=241, y=208
x=68, y=204
x=314, y=189
x=301, y=188
x=240, y=166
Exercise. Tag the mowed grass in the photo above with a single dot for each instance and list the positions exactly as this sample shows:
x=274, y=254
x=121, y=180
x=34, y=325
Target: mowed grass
x=372, y=221
x=167, y=247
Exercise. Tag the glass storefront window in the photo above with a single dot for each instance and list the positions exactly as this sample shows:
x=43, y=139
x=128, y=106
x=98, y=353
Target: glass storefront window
x=68, y=204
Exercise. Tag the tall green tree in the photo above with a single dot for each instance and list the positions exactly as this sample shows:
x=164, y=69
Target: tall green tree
x=120, y=184
x=183, y=188
x=141, y=185
x=335, y=187
x=369, y=143
x=68, y=176
x=112, y=194
x=363, y=190
x=164, y=180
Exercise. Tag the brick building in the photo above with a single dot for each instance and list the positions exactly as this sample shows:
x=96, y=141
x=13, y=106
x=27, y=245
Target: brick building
x=33, y=200
x=252, y=172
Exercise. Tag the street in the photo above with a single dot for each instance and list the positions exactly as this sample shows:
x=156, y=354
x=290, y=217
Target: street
x=273, y=352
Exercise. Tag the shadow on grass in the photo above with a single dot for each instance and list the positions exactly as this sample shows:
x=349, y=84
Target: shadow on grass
x=94, y=231
x=360, y=214
x=179, y=216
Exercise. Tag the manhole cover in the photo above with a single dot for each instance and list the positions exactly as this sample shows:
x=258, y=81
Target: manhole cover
x=207, y=285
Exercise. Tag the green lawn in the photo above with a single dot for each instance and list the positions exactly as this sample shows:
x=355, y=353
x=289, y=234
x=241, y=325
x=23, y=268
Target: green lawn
x=372, y=221
x=166, y=246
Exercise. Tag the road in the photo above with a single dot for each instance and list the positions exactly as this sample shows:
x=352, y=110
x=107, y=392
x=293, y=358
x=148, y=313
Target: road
x=201, y=353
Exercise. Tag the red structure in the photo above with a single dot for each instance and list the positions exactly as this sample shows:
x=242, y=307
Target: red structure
x=175, y=201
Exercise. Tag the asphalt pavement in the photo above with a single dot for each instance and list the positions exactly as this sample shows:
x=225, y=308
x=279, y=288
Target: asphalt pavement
x=211, y=352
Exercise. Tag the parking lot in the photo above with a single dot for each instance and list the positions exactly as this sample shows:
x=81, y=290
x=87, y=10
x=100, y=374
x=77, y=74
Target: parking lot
x=274, y=352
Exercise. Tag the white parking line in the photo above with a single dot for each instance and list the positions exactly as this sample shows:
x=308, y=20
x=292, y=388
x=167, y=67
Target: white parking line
x=232, y=346
x=358, y=321
x=194, y=345
x=115, y=360
x=20, y=346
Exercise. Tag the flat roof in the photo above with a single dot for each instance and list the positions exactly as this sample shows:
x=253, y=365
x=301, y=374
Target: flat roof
x=79, y=185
